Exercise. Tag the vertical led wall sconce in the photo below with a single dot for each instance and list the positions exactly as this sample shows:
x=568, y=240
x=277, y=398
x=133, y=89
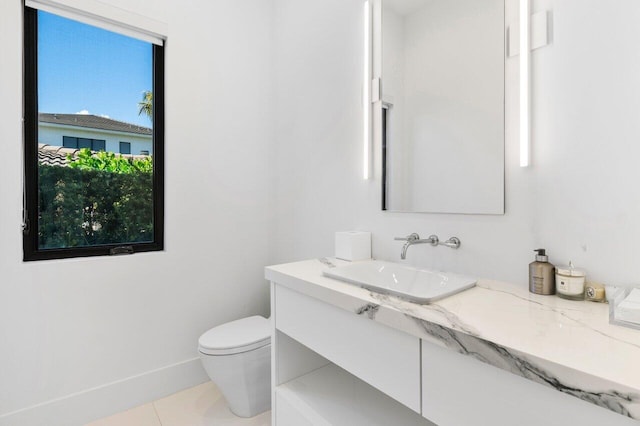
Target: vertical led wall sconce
x=525, y=86
x=366, y=93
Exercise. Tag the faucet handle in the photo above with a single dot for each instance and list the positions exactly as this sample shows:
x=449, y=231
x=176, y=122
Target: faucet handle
x=453, y=242
x=411, y=237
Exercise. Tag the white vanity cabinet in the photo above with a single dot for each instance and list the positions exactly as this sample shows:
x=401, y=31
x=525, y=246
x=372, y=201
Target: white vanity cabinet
x=331, y=366
x=342, y=355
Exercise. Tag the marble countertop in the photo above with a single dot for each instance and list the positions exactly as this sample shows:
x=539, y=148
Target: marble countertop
x=563, y=344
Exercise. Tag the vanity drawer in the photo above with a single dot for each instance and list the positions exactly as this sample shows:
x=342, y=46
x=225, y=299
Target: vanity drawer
x=387, y=359
x=492, y=396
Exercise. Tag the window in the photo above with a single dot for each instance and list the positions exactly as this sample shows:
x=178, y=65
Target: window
x=76, y=143
x=125, y=147
x=92, y=83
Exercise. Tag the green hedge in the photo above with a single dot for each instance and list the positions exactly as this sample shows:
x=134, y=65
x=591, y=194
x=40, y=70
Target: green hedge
x=81, y=206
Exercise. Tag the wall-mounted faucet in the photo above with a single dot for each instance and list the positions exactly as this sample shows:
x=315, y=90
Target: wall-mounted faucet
x=453, y=242
x=415, y=239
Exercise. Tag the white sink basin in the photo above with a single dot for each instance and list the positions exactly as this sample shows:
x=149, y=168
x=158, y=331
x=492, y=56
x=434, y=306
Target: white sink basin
x=416, y=285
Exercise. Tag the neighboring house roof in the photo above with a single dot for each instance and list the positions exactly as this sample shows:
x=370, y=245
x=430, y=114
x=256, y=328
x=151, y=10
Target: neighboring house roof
x=49, y=155
x=54, y=155
x=93, y=122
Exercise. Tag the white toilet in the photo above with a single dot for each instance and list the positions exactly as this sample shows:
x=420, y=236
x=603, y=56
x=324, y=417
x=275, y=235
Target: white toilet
x=237, y=358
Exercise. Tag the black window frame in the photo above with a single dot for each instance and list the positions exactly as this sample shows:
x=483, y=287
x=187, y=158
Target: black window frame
x=31, y=251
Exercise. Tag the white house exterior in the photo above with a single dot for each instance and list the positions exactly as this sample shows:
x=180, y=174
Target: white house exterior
x=95, y=132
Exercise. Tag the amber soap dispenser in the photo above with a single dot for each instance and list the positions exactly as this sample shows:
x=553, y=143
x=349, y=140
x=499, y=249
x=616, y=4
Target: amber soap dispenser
x=542, y=274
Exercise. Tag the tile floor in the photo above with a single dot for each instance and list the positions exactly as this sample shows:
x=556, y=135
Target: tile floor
x=202, y=405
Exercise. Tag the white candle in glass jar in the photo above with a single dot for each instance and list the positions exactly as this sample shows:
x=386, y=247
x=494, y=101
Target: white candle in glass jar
x=570, y=282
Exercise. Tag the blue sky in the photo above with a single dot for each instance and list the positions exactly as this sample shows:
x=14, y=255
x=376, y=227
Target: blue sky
x=87, y=69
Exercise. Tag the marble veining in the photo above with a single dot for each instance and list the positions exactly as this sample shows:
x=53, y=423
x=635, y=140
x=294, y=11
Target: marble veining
x=326, y=262
x=506, y=359
x=370, y=310
x=451, y=319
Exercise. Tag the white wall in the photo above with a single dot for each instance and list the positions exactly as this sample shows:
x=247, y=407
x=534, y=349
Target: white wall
x=586, y=133
x=318, y=103
x=579, y=199
x=69, y=326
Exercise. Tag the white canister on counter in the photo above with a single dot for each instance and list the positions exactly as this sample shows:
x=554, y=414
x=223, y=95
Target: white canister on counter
x=570, y=282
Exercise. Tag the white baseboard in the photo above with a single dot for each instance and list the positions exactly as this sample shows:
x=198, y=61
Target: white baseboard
x=101, y=401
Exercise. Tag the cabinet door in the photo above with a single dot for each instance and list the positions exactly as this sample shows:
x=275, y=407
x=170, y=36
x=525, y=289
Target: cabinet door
x=458, y=390
x=387, y=359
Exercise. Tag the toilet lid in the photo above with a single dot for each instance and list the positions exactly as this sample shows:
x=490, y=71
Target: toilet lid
x=236, y=336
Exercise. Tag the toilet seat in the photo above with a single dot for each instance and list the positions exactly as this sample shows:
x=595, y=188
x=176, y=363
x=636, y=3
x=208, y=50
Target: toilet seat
x=235, y=337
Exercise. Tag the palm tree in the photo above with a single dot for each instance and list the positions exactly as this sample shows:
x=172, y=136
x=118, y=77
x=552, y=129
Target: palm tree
x=146, y=105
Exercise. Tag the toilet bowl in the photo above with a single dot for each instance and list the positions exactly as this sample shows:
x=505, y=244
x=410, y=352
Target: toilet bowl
x=237, y=358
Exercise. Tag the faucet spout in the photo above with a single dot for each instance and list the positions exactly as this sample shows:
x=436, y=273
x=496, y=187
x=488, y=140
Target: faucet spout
x=415, y=239
x=405, y=246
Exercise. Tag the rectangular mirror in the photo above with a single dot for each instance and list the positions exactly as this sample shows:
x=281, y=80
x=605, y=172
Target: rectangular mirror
x=442, y=105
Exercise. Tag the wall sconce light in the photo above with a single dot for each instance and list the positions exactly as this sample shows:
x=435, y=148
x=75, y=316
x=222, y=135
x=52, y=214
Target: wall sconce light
x=525, y=103
x=366, y=92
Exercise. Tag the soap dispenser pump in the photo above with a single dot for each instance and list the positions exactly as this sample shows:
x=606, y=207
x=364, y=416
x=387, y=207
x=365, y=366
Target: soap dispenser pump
x=542, y=279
